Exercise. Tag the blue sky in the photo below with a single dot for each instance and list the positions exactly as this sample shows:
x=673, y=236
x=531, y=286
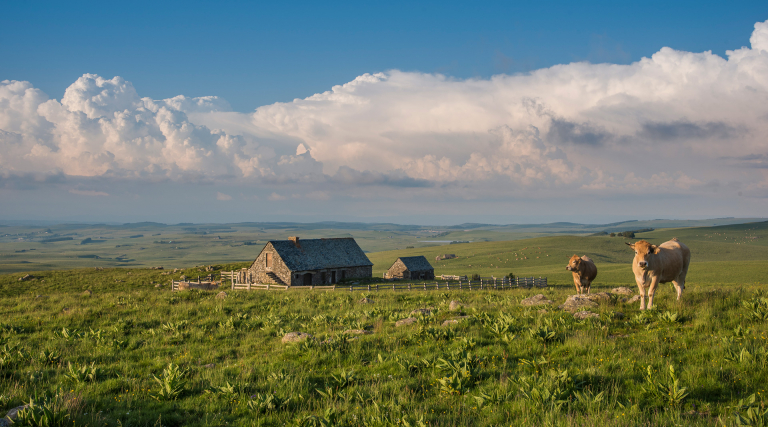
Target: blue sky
x=257, y=53
x=439, y=112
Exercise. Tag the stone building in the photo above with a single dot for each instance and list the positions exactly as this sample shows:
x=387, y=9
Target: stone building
x=411, y=267
x=311, y=262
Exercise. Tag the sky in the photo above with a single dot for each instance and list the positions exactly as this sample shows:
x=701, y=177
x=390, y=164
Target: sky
x=408, y=112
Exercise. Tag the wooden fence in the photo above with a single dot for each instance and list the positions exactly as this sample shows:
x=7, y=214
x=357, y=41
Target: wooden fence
x=492, y=283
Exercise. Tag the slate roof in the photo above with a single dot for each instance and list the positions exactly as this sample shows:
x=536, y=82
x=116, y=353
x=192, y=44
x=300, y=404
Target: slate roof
x=416, y=263
x=319, y=254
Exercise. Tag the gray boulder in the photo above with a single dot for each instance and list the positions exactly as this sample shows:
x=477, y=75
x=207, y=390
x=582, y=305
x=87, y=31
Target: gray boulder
x=454, y=305
x=576, y=303
x=366, y=301
x=405, y=322
x=581, y=315
x=221, y=295
x=622, y=290
x=296, y=337
x=634, y=299
x=11, y=415
x=539, y=299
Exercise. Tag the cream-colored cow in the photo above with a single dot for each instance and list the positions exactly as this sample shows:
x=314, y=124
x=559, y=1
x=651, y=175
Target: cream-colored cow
x=667, y=262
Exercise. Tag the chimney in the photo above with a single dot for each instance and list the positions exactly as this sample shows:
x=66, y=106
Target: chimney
x=295, y=240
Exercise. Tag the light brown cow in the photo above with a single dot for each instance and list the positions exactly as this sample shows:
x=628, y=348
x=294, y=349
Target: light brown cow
x=667, y=262
x=584, y=272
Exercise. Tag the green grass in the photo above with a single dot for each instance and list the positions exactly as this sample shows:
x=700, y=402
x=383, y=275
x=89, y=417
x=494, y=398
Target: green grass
x=732, y=254
x=118, y=341
x=135, y=355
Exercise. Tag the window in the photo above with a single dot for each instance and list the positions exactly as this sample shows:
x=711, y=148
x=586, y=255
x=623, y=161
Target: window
x=268, y=260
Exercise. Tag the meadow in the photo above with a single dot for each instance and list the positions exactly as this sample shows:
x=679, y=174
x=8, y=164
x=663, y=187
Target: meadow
x=129, y=353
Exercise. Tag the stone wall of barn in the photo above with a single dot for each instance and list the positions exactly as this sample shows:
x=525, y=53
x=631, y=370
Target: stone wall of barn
x=400, y=271
x=259, y=273
x=397, y=271
x=325, y=277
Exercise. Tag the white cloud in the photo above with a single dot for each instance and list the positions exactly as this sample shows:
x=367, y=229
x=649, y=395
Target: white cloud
x=222, y=196
x=673, y=123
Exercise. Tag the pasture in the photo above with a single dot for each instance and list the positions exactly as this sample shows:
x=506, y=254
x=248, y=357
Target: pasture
x=130, y=354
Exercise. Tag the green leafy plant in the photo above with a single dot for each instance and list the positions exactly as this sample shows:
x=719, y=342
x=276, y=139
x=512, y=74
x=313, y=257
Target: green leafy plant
x=85, y=373
x=171, y=383
x=669, y=391
x=549, y=390
x=48, y=413
x=670, y=317
x=749, y=413
x=267, y=402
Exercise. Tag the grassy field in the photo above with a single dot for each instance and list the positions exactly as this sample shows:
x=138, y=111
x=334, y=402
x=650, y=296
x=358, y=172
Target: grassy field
x=732, y=254
x=68, y=246
x=131, y=354
x=95, y=359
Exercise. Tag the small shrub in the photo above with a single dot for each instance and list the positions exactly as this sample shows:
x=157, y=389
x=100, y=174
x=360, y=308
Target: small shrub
x=171, y=384
x=48, y=413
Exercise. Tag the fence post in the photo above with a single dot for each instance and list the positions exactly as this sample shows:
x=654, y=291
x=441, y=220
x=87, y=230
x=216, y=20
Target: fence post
x=268, y=286
x=409, y=286
x=249, y=285
x=369, y=287
x=377, y=286
x=459, y=284
x=232, y=277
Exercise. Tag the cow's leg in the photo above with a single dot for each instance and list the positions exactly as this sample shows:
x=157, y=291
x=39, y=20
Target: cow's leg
x=678, y=288
x=641, y=290
x=577, y=284
x=652, y=291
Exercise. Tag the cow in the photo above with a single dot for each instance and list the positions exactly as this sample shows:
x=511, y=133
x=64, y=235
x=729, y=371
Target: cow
x=584, y=272
x=667, y=262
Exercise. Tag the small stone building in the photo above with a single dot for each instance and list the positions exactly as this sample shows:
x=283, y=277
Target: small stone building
x=445, y=256
x=311, y=262
x=411, y=267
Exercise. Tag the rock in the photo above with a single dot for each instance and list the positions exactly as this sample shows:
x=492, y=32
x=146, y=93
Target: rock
x=450, y=322
x=210, y=366
x=87, y=293
x=296, y=337
x=424, y=311
x=159, y=285
x=405, y=322
x=11, y=415
x=575, y=303
x=156, y=268
x=634, y=299
x=599, y=297
x=584, y=315
x=454, y=305
x=357, y=332
x=25, y=277
x=221, y=295
x=366, y=301
x=623, y=290
x=539, y=299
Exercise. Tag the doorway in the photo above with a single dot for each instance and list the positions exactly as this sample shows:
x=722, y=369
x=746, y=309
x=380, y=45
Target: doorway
x=307, y=279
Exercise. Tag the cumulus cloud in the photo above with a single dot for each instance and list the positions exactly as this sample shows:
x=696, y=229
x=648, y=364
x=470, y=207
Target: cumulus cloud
x=673, y=122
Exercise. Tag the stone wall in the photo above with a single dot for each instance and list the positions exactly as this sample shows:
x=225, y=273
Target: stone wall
x=363, y=272
x=400, y=271
x=258, y=271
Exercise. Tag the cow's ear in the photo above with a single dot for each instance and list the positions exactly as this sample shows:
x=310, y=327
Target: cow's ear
x=631, y=245
x=655, y=249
